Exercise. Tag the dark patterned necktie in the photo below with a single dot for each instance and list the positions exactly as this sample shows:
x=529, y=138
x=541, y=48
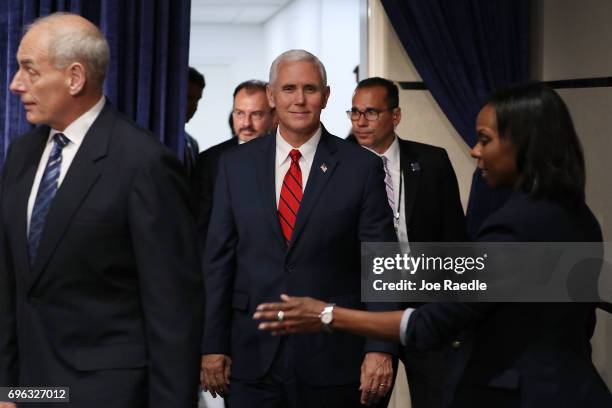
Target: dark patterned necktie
x=290, y=196
x=46, y=193
x=388, y=183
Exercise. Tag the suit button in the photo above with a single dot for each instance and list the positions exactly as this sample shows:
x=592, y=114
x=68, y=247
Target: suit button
x=289, y=268
x=456, y=344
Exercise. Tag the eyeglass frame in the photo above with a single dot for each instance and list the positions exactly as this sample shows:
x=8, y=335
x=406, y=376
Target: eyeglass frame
x=255, y=115
x=350, y=112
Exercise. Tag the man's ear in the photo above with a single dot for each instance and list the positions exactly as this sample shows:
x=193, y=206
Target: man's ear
x=326, y=93
x=77, y=77
x=397, y=116
x=270, y=96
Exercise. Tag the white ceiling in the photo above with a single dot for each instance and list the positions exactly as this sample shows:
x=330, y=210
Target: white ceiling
x=234, y=11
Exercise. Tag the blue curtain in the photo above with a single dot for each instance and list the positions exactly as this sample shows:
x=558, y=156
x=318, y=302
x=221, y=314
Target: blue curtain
x=464, y=50
x=147, y=75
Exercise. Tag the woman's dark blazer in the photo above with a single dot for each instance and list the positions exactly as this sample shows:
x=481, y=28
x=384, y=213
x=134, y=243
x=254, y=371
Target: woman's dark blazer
x=527, y=355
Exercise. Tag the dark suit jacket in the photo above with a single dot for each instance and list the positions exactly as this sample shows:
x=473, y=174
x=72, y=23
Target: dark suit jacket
x=433, y=206
x=247, y=261
x=433, y=214
x=203, y=183
x=112, y=306
x=521, y=354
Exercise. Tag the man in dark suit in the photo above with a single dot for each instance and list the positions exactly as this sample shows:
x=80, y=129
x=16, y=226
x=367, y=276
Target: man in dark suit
x=290, y=211
x=195, y=87
x=251, y=117
x=423, y=193
x=100, y=290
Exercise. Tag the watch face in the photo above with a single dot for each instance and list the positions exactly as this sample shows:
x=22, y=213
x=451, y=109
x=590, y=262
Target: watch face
x=326, y=318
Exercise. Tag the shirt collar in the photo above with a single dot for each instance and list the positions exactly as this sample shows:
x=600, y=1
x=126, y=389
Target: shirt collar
x=392, y=153
x=308, y=149
x=76, y=131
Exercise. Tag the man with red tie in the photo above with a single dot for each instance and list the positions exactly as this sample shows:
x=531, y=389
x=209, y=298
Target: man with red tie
x=289, y=213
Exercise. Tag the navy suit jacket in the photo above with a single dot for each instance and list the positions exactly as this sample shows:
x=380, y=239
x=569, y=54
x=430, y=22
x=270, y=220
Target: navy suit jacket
x=203, y=183
x=247, y=261
x=533, y=354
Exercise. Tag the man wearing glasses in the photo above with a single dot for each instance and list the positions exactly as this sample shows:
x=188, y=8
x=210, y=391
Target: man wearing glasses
x=423, y=194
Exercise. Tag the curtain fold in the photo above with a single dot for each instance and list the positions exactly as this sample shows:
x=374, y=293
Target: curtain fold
x=464, y=50
x=147, y=74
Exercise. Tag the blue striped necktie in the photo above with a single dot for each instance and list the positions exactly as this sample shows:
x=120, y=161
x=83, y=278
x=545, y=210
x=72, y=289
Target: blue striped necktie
x=46, y=192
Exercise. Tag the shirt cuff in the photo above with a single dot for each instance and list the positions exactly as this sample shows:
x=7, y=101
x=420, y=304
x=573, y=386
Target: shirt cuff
x=404, y=325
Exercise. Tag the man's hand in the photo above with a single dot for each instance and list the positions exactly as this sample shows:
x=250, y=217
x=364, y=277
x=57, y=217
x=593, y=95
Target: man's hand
x=214, y=374
x=376, y=377
x=8, y=405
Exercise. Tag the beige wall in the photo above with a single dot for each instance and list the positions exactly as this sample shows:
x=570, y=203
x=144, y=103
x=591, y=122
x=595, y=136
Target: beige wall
x=570, y=39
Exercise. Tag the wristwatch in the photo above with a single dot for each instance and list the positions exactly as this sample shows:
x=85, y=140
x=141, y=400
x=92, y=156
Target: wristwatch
x=327, y=317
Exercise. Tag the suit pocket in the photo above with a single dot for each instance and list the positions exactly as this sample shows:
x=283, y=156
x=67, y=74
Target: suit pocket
x=110, y=357
x=240, y=301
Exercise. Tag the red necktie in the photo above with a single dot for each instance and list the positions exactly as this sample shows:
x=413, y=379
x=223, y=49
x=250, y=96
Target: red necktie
x=290, y=196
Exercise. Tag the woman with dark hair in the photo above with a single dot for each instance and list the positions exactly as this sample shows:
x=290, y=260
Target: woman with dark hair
x=506, y=354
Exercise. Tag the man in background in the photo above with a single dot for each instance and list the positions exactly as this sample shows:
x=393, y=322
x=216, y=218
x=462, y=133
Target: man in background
x=100, y=287
x=195, y=88
x=423, y=194
x=251, y=117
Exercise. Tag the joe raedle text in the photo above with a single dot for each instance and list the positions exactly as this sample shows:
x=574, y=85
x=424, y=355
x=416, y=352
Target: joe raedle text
x=447, y=285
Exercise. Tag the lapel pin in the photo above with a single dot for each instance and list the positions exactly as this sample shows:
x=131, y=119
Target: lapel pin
x=415, y=166
x=323, y=167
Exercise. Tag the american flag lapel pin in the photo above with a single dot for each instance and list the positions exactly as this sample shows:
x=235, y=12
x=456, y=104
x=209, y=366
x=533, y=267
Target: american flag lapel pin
x=323, y=167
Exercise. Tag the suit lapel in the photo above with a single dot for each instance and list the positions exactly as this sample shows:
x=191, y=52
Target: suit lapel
x=321, y=172
x=82, y=175
x=266, y=178
x=23, y=187
x=411, y=171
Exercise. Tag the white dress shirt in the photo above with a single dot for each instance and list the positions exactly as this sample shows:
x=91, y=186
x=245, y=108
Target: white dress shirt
x=283, y=161
x=404, y=324
x=75, y=133
x=399, y=212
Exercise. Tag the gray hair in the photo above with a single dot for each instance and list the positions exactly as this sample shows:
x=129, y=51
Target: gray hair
x=83, y=44
x=297, y=55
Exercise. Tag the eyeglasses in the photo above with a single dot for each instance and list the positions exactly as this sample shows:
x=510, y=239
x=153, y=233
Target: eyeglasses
x=370, y=114
x=257, y=115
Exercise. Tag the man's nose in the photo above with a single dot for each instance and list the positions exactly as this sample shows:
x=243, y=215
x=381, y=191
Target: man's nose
x=16, y=85
x=300, y=97
x=362, y=121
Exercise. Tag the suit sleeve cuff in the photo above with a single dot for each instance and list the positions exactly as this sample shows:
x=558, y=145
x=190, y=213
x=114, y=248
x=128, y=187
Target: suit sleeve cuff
x=404, y=325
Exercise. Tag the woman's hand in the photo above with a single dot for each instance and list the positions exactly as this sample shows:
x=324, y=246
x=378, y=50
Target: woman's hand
x=292, y=315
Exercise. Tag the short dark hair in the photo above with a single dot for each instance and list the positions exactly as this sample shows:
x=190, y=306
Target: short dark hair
x=196, y=78
x=251, y=86
x=549, y=157
x=392, y=97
